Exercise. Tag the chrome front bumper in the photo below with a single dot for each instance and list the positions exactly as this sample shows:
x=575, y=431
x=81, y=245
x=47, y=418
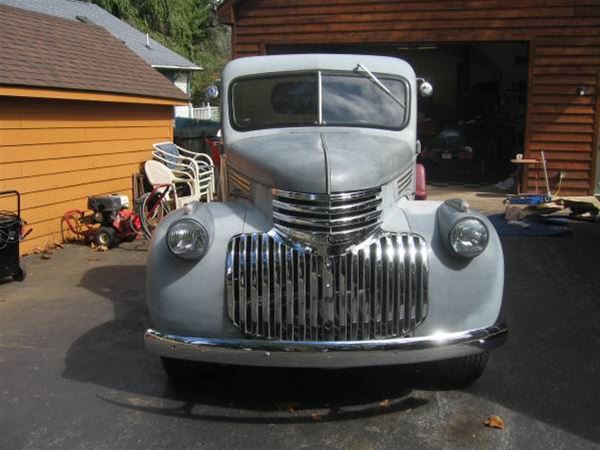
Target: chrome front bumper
x=331, y=355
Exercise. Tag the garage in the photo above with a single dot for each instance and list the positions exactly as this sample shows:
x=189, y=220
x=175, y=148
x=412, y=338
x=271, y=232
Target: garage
x=512, y=77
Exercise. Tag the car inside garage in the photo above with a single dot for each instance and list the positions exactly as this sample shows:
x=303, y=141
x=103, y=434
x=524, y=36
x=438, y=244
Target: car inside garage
x=474, y=123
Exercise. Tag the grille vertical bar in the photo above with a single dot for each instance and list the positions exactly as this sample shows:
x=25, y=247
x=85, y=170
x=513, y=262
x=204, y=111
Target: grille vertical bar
x=254, y=281
x=278, y=291
x=313, y=318
x=243, y=256
x=302, y=296
x=290, y=293
x=266, y=286
x=354, y=286
x=376, y=291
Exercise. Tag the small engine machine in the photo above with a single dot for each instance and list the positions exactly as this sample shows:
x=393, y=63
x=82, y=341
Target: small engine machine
x=117, y=222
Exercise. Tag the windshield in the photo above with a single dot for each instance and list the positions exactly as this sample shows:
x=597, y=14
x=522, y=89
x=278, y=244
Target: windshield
x=346, y=99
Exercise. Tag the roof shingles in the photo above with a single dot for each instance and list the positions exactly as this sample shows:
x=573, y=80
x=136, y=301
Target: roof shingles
x=44, y=51
x=156, y=55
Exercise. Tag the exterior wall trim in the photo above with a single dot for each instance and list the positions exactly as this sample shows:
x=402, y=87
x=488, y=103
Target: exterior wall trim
x=59, y=94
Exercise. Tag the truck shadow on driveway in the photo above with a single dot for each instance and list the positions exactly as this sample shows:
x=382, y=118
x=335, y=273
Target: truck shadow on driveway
x=112, y=355
x=548, y=370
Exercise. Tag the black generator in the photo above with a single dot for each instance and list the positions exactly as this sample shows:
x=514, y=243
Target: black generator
x=11, y=227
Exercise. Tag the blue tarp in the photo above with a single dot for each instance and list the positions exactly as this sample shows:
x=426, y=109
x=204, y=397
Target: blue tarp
x=544, y=227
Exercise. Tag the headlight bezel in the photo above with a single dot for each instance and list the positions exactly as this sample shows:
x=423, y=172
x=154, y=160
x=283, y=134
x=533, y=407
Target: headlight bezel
x=451, y=232
x=192, y=255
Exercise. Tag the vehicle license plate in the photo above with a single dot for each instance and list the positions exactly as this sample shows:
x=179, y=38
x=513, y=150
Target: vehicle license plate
x=446, y=155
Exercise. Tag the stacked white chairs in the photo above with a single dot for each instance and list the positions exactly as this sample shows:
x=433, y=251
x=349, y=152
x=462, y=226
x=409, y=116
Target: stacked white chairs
x=160, y=176
x=197, y=169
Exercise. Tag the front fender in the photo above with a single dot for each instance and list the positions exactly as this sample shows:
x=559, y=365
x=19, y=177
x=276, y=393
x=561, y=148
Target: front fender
x=187, y=296
x=464, y=294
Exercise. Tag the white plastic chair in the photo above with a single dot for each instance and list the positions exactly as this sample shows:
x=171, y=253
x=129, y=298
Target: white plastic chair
x=181, y=160
x=159, y=174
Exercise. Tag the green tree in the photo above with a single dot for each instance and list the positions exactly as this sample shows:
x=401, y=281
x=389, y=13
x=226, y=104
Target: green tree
x=188, y=27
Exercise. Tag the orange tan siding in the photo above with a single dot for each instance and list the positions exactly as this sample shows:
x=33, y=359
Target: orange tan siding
x=58, y=152
x=564, y=42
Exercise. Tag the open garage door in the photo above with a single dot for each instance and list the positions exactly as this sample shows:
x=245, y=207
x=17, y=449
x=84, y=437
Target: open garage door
x=475, y=121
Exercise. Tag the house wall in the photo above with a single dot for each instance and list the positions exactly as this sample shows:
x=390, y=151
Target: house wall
x=58, y=152
x=564, y=54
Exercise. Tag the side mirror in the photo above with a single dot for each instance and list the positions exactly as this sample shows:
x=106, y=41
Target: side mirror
x=425, y=88
x=212, y=92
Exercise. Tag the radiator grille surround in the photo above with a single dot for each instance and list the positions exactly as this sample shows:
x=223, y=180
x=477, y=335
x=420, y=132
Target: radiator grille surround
x=327, y=218
x=278, y=291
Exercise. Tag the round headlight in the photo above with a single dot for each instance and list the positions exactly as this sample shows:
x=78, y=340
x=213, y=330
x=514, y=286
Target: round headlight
x=469, y=237
x=187, y=239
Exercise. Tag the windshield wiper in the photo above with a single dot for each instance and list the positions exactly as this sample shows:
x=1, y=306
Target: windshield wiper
x=380, y=84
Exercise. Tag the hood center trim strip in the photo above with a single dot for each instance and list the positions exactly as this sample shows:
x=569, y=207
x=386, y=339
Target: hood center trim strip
x=326, y=159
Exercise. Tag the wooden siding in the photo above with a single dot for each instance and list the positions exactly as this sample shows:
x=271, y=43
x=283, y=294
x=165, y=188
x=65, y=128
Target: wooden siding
x=564, y=37
x=58, y=152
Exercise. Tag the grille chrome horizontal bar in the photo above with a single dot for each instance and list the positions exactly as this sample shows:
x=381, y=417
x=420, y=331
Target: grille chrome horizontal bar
x=327, y=223
x=344, y=216
x=377, y=290
x=335, y=197
x=326, y=209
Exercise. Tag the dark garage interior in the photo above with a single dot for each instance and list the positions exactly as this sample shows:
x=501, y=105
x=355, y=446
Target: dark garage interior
x=475, y=121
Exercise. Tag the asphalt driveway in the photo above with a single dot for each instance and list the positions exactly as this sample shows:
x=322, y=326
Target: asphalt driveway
x=74, y=372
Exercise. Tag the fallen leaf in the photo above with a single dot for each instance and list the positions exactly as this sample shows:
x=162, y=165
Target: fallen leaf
x=38, y=250
x=45, y=256
x=101, y=248
x=289, y=407
x=494, y=422
x=59, y=246
x=384, y=403
x=316, y=417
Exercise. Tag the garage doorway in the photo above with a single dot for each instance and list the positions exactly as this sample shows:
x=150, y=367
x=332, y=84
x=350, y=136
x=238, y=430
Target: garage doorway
x=475, y=121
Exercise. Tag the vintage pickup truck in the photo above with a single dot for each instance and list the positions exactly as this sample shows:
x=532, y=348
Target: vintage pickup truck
x=319, y=255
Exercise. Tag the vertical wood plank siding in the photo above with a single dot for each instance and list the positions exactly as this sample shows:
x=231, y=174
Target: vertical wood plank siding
x=564, y=38
x=57, y=153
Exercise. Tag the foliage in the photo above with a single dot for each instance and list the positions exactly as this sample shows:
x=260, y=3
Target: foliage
x=188, y=27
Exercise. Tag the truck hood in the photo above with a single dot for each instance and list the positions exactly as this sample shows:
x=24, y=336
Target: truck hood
x=321, y=161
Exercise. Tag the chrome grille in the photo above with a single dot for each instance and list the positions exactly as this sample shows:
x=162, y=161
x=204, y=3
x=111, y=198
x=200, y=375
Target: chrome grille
x=335, y=217
x=375, y=291
x=405, y=182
